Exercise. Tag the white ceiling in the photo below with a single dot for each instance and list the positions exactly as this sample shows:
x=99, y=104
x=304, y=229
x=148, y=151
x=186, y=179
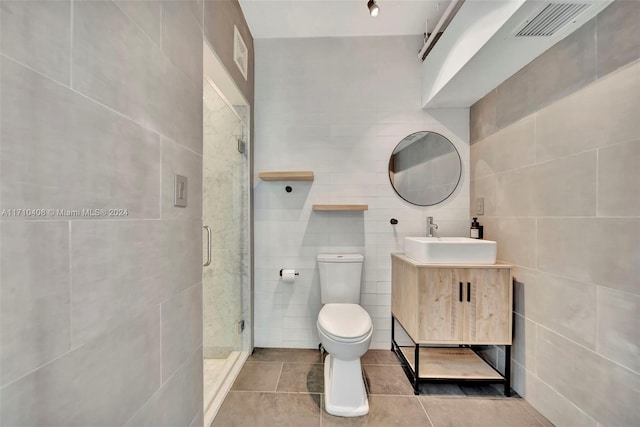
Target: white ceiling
x=476, y=53
x=479, y=49
x=339, y=18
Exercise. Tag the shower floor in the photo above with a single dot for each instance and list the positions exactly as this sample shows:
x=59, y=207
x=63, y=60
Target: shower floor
x=219, y=375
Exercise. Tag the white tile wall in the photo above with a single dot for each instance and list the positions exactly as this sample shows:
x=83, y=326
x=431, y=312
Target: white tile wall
x=338, y=107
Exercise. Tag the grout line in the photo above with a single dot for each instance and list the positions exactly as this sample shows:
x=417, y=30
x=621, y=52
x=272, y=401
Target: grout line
x=573, y=279
x=535, y=137
x=554, y=390
x=597, y=183
x=196, y=416
x=595, y=49
x=142, y=30
x=535, y=350
x=71, y=30
x=535, y=243
x=188, y=288
x=161, y=169
x=85, y=342
x=162, y=26
x=425, y=410
x=160, y=339
x=172, y=141
x=279, y=376
x=524, y=406
x=182, y=365
x=589, y=349
x=540, y=325
x=96, y=102
x=66, y=353
x=273, y=392
x=203, y=18
x=597, y=334
x=70, y=286
x=382, y=364
x=394, y=395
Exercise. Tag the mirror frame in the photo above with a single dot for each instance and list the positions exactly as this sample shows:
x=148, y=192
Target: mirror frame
x=457, y=181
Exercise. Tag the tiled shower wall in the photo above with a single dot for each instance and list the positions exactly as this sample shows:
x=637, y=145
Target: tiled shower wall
x=556, y=155
x=338, y=107
x=101, y=104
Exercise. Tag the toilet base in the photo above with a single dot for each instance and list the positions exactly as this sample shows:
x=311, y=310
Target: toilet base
x=345, y=394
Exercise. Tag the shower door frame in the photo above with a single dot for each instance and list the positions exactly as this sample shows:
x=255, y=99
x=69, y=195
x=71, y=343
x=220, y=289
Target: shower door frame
x=216, y=74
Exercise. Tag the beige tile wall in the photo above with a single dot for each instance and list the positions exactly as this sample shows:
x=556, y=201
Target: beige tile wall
x=101, y=318
x=560, y=179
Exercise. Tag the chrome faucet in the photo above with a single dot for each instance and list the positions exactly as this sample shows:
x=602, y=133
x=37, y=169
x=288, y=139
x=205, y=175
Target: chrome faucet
x=431, y=226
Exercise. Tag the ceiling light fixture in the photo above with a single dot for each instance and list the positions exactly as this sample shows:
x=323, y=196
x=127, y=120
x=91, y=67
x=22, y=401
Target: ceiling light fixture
x=374, y=10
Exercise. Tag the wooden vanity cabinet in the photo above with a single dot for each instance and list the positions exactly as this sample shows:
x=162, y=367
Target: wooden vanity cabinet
x=470, y=306
x=462, y=305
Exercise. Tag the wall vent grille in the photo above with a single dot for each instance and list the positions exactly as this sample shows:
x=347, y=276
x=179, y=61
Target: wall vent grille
x=240, y=52
x=552, y=18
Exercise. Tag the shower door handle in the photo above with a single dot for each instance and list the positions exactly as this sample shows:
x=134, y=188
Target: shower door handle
x=206, y=227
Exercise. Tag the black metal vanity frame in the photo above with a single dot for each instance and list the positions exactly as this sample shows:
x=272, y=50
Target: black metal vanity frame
x=414, y=377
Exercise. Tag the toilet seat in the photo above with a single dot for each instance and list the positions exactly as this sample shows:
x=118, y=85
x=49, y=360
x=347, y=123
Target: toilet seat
x=345, y=322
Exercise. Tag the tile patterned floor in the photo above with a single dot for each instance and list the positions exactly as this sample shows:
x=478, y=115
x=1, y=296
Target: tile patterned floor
x=284, y=387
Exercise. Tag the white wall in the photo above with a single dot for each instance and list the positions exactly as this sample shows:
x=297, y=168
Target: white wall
x=338, y=107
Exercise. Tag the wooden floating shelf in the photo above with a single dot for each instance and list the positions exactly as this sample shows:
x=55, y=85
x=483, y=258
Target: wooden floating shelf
x=287, y=176
x=450, y=363
x=340, y=207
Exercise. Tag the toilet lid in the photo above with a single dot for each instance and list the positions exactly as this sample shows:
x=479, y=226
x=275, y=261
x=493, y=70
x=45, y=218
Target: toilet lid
x=340, y=258
x=344, y=321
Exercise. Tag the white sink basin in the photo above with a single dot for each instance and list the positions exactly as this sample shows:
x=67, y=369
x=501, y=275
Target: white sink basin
x=450, y=250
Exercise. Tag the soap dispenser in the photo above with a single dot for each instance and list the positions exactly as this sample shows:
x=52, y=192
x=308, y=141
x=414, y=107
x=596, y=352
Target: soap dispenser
x=476, y=229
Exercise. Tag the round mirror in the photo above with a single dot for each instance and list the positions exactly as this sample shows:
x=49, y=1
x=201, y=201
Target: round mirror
x=425, y=168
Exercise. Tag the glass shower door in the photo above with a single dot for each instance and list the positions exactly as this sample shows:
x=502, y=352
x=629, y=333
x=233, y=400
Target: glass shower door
x=225, y=211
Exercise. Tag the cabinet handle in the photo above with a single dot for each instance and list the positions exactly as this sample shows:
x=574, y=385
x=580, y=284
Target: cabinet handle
x=468, y=291
x=460, y=291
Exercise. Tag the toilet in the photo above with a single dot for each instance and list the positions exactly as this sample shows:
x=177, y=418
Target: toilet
x=345, y=330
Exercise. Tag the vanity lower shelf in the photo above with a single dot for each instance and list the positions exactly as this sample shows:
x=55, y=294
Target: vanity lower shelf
x=425, y=363
x=450, y=363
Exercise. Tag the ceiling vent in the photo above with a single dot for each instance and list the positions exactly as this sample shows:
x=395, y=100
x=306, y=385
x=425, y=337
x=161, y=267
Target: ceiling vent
x=551, y=19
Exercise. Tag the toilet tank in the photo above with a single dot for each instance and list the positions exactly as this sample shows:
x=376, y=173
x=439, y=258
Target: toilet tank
x=340, y=276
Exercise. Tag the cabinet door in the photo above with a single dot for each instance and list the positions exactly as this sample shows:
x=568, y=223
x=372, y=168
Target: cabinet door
x=404, y=295
x=487, y=306
x=439, y=301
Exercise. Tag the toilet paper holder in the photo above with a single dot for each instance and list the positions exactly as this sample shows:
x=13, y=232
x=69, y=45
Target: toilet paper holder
x=282, y=269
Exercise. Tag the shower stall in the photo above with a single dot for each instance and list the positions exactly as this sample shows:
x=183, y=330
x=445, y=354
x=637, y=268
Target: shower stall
x=226, y=248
